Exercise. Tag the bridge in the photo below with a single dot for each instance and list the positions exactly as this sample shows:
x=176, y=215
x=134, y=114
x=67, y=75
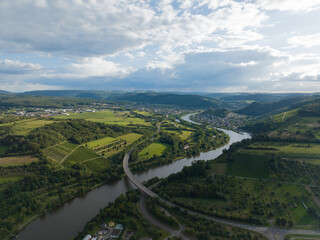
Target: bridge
x=135, y=181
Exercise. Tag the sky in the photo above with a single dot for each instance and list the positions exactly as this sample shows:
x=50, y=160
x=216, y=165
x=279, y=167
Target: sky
x=161, y=45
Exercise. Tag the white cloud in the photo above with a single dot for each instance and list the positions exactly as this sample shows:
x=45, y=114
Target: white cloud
x=306, y=41
x=16, y=67
x=289, y=5
x=95, y=66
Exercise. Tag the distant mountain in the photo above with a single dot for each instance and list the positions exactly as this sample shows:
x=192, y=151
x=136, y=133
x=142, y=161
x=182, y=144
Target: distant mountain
x=260, y=97
x=259, y=109
x=4, y=92
x=100, y=95
x=187, y=100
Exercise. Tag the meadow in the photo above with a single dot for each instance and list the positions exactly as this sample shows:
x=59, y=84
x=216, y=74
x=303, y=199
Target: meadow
x=60, y=151
x=154, y=149
x=79, y=155
x=107, y=117
x=17, y=161
x=243, y=165
x=23, y=127
x=308, y=152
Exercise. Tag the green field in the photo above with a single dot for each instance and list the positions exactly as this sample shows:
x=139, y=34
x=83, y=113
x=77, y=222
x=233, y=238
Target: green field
x=130, y=138
x=154, y=149
x=17, y=161
x=23, y=127
x=108, y=117
x=97, y=164
x=59, y=152
x=79, y=155
x=100, y=142
x=309, y=152
x=243, y=165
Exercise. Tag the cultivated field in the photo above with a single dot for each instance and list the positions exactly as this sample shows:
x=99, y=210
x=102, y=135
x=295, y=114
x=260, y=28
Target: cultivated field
x=61, y=151
x=23, y=127
x=154, y=149
x=17, y=161
x=79, y=155
x=108, y=117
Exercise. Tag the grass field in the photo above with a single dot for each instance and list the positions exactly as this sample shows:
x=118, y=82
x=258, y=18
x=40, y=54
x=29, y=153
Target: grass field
x=130, y=138
x=17, y=161
x=59, y=152
x=79, y=155
x=100, y=142
x=309, y=152
x=97, y=164
x=23, y=127
x=244, y=165
x=108, y=117
x=154, y=149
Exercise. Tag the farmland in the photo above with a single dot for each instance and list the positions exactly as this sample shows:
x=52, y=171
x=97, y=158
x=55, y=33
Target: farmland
x=244, y=165
x=17, y=161
x=308, y=152
x=108, y=117
x=79, y=155
x=154, y=149
x=23, y=127
x=60, y=151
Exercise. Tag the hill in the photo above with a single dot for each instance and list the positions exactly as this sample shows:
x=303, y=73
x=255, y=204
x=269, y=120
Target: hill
x=187, y=100
x=258, y=109
x=100, y=95
x=220, y=112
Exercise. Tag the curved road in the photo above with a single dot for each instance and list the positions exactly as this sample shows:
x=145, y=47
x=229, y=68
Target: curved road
x=271, y=233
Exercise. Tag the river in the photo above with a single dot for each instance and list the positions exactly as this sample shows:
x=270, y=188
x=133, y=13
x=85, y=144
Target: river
x=66, y=221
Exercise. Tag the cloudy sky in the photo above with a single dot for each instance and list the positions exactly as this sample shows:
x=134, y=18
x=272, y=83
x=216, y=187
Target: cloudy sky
x=162, y=45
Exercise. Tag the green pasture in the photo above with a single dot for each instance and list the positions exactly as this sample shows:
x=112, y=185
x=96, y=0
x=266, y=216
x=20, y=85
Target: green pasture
x=243, y=165
x=309, y=152
x=23, y=127
x=17, y=160
x=97, y=164
x=130, y=138
x=154, y=149
x=79, y=155
x=59, y=152
x=108, y=117
x=100, y=142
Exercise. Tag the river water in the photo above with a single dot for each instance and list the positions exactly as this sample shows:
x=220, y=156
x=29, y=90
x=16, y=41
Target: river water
x=66, y=221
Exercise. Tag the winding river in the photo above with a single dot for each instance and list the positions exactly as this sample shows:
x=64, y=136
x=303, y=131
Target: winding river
x=66, y=221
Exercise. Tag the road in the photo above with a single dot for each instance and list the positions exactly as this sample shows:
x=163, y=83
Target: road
x=158, y=224
x=271, y=233
x=139, y=185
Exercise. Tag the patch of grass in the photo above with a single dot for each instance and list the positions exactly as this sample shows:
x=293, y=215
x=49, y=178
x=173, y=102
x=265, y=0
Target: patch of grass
x=69, y=145
x=108, y=117
x=79, y=155
x=248, y=165
x=97, y=164
x=59, y=152
x=23, y=127
x=130, y=138
x=301, y=237
x=17, y=161
x=154, y=149
x=309, y=152
x=100, y=142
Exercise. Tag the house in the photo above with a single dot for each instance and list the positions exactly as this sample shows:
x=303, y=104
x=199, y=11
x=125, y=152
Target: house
x=116, y=231
x=88, y=237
